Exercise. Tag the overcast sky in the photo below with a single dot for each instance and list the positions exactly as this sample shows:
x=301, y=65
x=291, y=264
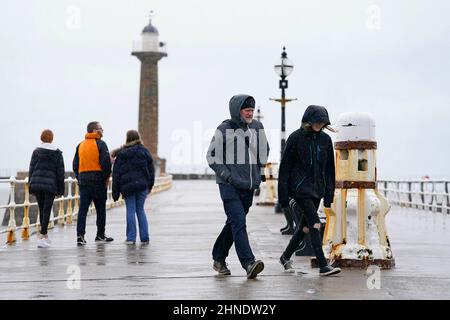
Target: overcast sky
x=60, y=70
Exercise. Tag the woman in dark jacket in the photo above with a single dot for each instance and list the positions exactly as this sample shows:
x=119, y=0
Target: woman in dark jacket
x=46, y=180
x=307, y=175
x=133, y=177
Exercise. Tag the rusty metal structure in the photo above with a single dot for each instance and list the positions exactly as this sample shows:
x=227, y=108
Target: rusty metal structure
x=355, y=233
x=268, y=189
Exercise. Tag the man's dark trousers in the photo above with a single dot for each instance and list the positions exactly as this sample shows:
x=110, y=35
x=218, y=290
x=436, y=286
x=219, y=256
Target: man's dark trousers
x=89, y=193
x=236, y=203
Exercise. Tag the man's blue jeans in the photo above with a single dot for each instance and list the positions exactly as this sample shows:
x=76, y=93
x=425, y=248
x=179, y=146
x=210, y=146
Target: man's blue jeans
x=135, y=206
x=236, y=204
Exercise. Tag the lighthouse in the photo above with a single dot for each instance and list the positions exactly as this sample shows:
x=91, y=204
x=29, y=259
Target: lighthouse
x=149, y=50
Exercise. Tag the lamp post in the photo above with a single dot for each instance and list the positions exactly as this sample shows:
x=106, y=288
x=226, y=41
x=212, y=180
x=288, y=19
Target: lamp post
x=283, y=68
x=259, y=115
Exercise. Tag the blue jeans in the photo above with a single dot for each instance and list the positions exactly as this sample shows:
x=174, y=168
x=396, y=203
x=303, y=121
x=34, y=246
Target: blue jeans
x=236, y=204
x=135, y=205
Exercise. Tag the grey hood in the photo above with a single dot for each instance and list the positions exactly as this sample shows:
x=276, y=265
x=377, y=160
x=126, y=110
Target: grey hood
x=238, y=152
x=236, y=103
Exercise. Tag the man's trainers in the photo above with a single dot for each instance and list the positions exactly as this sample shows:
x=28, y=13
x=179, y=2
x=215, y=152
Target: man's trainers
x=81, y=241
x=287, y=264
x=221, y=268
x=254, y=268
x=103, y=238
x=129, y=242
x=329, y=270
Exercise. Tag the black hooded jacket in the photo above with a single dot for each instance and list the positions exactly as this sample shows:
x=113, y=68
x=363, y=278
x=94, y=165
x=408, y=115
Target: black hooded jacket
x=133, y=170
x=241, y=166
x=46, y=173
x=307, y=165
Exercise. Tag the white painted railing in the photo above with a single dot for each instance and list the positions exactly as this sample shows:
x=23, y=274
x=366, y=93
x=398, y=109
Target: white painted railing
x=67, y=205
x=423, y=194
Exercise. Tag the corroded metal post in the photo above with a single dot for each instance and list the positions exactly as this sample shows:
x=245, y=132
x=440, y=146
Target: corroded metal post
x=267, y=195
x=69, y=201
x=356, y=234
x=11, y=236
x=51, y=223
x=26, y=209
x=109, y=200
x=77, y=201
x=61, y=221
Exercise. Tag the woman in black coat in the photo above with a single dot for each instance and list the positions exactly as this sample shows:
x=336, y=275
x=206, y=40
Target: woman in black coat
x=133, y=177
x=46, y=180
x=307, y=175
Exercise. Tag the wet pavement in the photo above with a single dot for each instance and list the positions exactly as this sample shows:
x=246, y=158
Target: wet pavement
x=184, y=223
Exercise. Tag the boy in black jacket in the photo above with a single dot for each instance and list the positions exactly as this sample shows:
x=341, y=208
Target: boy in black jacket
x=307, y=175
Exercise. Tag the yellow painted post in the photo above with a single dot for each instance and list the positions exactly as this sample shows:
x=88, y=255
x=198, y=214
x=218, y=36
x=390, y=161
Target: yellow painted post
x=381, y=222
x=61, y=212
x=356, y=179
x=69, y=201
x=11, y=236
x=92, y=208
x=77, y=201
x=51, y=224
x=38, y=223
x=330, y=225
x=109, y=201
x=26, y=208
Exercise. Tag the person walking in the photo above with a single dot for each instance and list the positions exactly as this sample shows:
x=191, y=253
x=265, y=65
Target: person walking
x=237, y=154
x=46, y=180
x=307, y=174
x=92, y=168
x=133, y=177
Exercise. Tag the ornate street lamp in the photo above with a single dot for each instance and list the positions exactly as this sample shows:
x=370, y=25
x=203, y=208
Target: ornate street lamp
x=283, y=68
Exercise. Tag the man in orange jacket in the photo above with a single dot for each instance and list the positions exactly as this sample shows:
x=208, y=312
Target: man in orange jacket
x=92, y=168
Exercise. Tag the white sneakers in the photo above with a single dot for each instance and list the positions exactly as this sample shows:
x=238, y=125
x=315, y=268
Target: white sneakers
x=43, y=242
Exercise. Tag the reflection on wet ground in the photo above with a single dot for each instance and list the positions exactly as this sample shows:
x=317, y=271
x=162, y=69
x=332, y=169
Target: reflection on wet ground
x=177, y=264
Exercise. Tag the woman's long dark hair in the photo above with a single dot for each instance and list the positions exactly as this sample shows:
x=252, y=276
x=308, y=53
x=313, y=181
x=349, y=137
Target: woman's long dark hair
x=133, y=135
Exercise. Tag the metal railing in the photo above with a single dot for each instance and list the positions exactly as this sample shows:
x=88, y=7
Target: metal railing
x=68, y=205
x=422, y=194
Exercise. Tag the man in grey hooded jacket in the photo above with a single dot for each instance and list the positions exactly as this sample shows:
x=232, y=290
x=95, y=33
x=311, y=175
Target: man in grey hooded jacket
x=237, y=154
